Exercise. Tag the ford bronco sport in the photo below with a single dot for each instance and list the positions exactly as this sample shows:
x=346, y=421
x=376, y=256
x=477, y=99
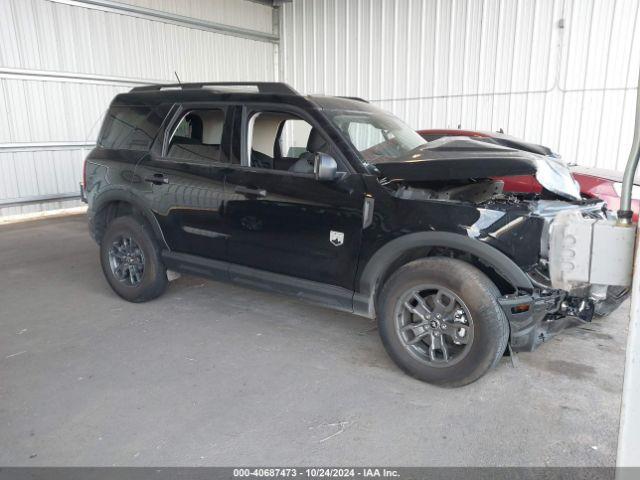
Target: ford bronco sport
x=337, y=202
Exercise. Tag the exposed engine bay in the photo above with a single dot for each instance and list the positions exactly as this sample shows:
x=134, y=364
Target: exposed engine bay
x=474, y=191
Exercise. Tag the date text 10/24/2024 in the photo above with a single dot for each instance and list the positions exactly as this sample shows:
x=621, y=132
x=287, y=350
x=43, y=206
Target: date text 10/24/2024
x=313, y=472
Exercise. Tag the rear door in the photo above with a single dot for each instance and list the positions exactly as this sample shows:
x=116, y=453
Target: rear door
x=183, y=178
x=282, y=221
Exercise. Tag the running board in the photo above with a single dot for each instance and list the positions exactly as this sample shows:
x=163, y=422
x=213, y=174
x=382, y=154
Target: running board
x=329, y=296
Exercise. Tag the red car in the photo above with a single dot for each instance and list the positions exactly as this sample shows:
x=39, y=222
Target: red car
x=594, y=182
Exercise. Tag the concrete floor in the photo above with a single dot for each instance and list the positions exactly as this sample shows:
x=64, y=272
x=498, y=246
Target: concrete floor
x=215, y=374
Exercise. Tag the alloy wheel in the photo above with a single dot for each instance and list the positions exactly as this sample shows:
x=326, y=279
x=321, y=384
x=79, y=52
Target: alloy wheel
x=434, y=325
x=126, y=260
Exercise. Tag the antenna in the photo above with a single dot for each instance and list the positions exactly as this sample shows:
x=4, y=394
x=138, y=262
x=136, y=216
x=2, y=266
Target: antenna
x=176, y=74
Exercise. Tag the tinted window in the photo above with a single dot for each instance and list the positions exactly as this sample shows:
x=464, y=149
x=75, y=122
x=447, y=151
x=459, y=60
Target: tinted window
x=198, y=137
x=130, y=127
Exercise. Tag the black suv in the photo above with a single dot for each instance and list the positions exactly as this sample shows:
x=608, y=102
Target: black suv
x=337, y=202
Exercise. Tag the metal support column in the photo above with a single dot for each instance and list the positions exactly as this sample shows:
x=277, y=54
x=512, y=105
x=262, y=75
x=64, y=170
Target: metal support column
x=629, y=435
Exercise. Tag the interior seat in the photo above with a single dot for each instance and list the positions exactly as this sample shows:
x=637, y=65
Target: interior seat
x=196, y=126
x=261, y=160
x=315, y=144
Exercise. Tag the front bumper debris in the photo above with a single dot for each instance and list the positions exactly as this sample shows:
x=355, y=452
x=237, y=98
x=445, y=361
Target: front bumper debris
x=536, y=318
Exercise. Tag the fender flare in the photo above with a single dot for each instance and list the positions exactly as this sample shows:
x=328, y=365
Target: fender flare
x=378, y=264
x=122, y=195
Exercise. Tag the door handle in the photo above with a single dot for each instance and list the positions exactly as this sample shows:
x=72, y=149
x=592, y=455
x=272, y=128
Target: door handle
x=157, y=179
x=251, y=192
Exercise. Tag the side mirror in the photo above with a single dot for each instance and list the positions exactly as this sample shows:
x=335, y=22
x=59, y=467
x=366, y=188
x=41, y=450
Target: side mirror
x=325, y=167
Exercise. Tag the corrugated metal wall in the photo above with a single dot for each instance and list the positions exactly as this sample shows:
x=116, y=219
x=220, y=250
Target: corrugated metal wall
x=559, y=72
x=62, y=61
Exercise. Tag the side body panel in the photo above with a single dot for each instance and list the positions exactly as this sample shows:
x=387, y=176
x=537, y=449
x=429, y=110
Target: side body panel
x=292, y=223
x=109, y=170
x=299, y=226
x=503, y=234
x=187, y=207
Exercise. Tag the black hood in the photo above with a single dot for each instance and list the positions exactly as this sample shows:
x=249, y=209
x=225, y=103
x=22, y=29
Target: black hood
x=458, y=158
x=461, y=158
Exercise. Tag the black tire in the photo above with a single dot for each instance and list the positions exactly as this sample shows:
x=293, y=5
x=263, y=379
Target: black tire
x=486, y=335
x=152, y=280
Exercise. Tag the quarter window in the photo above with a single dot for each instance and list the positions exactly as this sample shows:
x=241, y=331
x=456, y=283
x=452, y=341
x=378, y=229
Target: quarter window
x=130, y=127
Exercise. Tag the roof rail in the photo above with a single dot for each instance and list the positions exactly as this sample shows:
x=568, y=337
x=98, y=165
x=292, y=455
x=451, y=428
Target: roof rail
x=357, y=99
x=263, y=87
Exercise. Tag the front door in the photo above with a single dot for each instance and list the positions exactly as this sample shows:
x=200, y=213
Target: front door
x=280, y=218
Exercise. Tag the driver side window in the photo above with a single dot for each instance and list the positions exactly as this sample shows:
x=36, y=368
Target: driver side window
x=282, y=141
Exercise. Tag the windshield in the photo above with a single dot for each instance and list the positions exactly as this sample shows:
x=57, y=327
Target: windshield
x=378, y=136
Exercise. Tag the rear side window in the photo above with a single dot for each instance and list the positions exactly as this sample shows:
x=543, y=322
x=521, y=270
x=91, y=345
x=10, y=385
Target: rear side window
x=130, y=127
x=197, y=137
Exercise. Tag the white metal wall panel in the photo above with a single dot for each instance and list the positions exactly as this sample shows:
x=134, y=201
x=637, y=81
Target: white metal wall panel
x=244, y=14
x=95, y=46
x=45, y=35
x=558, y=72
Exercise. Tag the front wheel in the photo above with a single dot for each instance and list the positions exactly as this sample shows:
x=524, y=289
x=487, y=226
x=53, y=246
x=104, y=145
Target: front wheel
x=440, y=321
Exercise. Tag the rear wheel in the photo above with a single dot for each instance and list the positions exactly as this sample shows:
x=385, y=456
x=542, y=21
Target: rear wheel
x=440, y=321
x=131, y=261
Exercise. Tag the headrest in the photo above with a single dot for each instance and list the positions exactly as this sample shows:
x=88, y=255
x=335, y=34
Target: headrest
x=316, y=142
x=195, y=122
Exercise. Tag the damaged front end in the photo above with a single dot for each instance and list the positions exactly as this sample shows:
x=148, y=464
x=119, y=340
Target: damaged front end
x=569, y=247
x=584, y=270
x=462, y=159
